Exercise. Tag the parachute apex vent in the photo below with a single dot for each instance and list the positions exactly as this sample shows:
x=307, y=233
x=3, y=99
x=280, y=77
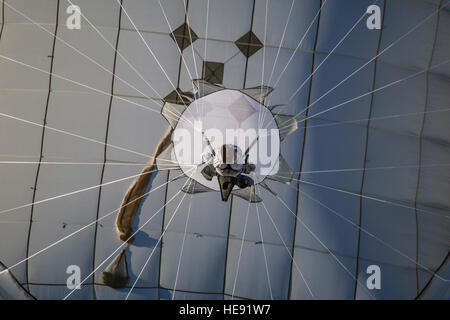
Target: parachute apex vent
x=227, y=140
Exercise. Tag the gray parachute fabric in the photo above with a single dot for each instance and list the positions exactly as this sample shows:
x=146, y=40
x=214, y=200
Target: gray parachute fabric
x=438, y=288
x=10, y=288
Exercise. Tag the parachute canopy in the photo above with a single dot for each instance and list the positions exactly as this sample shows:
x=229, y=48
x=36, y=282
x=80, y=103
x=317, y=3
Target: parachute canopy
x=81, y=113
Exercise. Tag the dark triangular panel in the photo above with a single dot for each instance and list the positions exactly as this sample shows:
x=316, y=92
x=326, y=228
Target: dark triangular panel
x=182, y=36
x=247, y=194
x=287, y=124
x=204, y=88
x=258, y=93
x=281, y=172
x=265, y=186
x=193, y=187
x=116, y=273
x=213, y=71
x=179, y=97
x=249, y=44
